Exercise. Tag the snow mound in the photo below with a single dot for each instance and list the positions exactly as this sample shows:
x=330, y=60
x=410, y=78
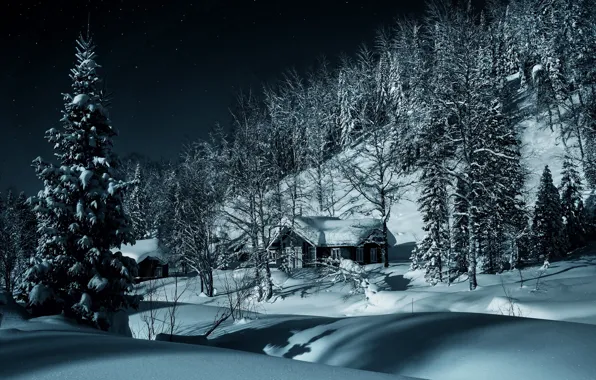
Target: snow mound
x=458, y=346
x=81, y=355
x=506, y=306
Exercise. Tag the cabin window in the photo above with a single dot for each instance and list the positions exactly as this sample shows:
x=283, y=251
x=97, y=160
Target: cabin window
x=373, y=255
x=360, y=254
x=335, y=253
x=158, y=271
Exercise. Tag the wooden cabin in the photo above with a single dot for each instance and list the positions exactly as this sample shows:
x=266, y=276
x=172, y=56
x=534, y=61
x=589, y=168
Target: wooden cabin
x=309, y=240
x=149, y=257
x=152, y=267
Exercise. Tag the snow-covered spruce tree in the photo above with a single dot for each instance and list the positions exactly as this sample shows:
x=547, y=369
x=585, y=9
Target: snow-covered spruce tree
x=590, y=216
x=27, y=226
x=7, y=254
x=167, y=233
x=80, y=212
x=17, y=238
x=459, y=229
x=137, y=202
x=547, y=225
x=434, y=249
x=572, y=205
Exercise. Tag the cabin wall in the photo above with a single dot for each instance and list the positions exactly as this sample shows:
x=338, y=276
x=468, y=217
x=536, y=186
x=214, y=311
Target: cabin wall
x=302, y=251
x=350, y=253
x=148, y=268
x=322, y=253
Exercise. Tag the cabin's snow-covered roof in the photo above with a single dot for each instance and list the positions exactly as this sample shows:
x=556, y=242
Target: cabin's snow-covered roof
x=141, y=250
x=324, y=231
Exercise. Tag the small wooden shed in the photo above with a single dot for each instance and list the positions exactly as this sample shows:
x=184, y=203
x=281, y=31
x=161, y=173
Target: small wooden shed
x=149, y=257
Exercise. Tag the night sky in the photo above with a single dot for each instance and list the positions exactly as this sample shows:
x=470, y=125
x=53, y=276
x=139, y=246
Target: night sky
x=174, y=69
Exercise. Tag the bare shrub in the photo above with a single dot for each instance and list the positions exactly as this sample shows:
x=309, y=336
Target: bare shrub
x=541, y=272
x=158, y=320
x=511, y=308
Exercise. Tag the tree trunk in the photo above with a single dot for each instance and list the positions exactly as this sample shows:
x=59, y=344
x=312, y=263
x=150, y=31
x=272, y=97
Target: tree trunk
x=269, y=288
x=210, y=284
x=385, y=244
x=258, y=278
x=472, y=251
x=513, y=255
x=320, y=189
x=8, y=280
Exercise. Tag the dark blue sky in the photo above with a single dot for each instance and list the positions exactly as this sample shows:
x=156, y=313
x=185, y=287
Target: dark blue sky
x=174, y=69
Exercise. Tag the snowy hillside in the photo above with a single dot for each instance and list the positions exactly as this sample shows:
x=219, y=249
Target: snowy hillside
x=540, y=147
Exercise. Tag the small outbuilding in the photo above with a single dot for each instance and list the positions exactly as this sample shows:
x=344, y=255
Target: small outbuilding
x=149, y=257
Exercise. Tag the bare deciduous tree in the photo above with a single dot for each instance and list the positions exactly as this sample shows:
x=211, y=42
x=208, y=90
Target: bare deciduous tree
x=249, y=208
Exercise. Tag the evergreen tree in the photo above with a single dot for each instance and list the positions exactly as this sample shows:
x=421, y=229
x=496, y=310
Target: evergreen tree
x=5, y=246
x=80, y=212
x=572, y=205
x=17, y=238
x=168, y=232
x=434, y=248
x=590, y=216
x=460, y=235
x=589, y=162
x=547, y=225
x=27, y=226
x=137, y=204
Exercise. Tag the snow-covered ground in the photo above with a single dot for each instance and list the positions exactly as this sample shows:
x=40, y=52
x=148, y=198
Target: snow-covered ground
x=51, y=348
x=466, y=335
x=324, y=323
x=566, y=291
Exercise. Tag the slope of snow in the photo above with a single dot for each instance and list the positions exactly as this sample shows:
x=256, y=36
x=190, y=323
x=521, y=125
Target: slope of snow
x=540, y=147
x=60, y=351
